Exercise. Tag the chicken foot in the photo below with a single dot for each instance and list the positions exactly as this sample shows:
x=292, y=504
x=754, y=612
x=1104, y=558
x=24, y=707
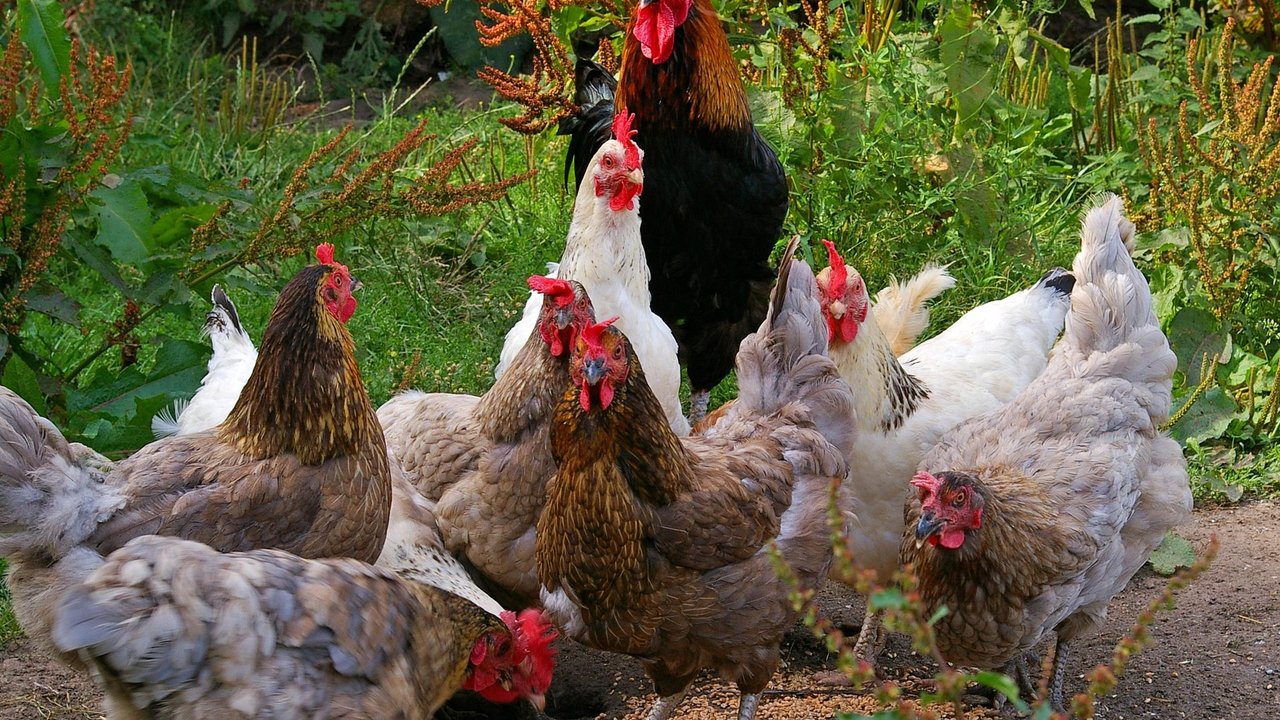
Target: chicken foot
x=666, y=706
x=1017, y=670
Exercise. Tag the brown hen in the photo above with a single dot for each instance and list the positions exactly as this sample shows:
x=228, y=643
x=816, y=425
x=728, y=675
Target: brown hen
x=655, y=545
x=488, y=459
x=300, y=464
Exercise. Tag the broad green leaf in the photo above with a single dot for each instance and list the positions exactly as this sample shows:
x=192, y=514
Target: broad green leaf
x=1166, y=288
x=97, y=259
x=1174, y=552
x=124, y=222
x=1208, y=418
x=40, y=27
x=1193, y=333
x=1087, y=6
x=51, y=301
x=968, y=54
x=20, y=378
x=179, y=367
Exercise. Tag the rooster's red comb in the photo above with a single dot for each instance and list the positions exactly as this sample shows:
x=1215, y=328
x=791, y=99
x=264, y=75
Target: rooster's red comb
x=559, y=290
x=594, y=334
x=623, y=132
x=839, y=272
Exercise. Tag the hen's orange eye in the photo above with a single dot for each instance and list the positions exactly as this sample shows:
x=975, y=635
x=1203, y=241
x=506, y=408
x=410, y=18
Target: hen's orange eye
x=958, y=501
x=617, y=352
x=607, y=162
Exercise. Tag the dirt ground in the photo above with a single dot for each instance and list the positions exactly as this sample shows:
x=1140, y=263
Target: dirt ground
x=1216, y=656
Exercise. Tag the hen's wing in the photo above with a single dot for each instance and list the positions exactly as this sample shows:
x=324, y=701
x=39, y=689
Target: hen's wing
x=198, y=488
x=176, y=625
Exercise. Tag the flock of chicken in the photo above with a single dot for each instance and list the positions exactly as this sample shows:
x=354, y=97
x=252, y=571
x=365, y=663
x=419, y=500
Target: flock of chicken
x=290, y=552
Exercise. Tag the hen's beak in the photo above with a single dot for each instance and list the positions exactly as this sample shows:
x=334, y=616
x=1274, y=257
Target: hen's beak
x=355, y=284
x=837, y=309
x=928, y=525
x=538, y=702
x=636, y=177
x=563, y=318
x=593, y=370
x=646, y=3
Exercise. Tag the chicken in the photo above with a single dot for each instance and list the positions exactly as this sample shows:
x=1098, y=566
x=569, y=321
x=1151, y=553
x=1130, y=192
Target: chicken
x=488, y=459
x=300, y=465
x=229, y=368
x=659, y=546
x=902, y=309
x=718, y=195
x=1030, y=518
x=905, y=404
x=605, y=254
x=176, y=629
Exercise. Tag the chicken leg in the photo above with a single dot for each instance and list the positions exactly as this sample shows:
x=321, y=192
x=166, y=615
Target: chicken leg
x=698, y=402
x=871, y=638
x=747, y=705
x=666, y=706
x=1058, y=675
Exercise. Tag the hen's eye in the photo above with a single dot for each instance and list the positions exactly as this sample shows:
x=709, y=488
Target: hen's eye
x=617, y=352
x=607, y=162
x=958, y=501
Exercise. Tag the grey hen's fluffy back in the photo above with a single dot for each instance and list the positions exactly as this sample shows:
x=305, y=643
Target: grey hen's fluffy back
x=52, y=493
x=1111, y=330
x=785, y=361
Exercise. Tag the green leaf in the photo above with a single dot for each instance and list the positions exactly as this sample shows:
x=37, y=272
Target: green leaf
x=20, y=378
x=124, y=221
x=49, y=300
x=179, y=367
x=1193, y=333
x=40, y=27
x=1002, y=684
x=1087, y=6
x=1208, y=418
x=968, y=54
x=1174, y=552
x=892, y=598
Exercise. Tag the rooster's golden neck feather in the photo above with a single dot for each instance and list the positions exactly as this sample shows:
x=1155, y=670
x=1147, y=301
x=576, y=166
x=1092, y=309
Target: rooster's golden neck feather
x=305, y=395
x=698, y=87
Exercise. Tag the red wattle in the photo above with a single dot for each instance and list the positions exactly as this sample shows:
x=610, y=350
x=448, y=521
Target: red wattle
x=624, y=198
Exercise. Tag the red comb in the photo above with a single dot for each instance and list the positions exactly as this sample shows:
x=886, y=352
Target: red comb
x=623, y=132
x=839, y=273
x=552, y=287
x=324, y=253
x=925, y=481
x=592, y=334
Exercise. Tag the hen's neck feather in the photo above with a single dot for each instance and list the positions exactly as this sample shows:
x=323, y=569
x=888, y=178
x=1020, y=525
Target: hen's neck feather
x=888, y=394
x=699, y=86
x=525, y=394
x=604, y=246
x=305, y=395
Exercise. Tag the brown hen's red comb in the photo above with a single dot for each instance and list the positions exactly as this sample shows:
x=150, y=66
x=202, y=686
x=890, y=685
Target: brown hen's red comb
x=623, y=132
x=324, y=253
x=925, y=481
x=593, y=334
x=560, y=290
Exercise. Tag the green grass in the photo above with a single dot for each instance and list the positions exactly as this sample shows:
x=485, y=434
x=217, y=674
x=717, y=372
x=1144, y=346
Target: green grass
x=8, y=623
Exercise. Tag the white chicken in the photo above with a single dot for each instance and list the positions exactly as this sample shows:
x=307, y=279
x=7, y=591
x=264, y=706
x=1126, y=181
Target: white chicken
x=229, y=368
x=905, y=404
x=604, y=253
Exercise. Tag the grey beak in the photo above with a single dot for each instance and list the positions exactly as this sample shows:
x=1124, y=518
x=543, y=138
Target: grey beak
x=563, y=318
x=644, y=3
x=928, y=525
x=593, y=370
x=355, y=284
